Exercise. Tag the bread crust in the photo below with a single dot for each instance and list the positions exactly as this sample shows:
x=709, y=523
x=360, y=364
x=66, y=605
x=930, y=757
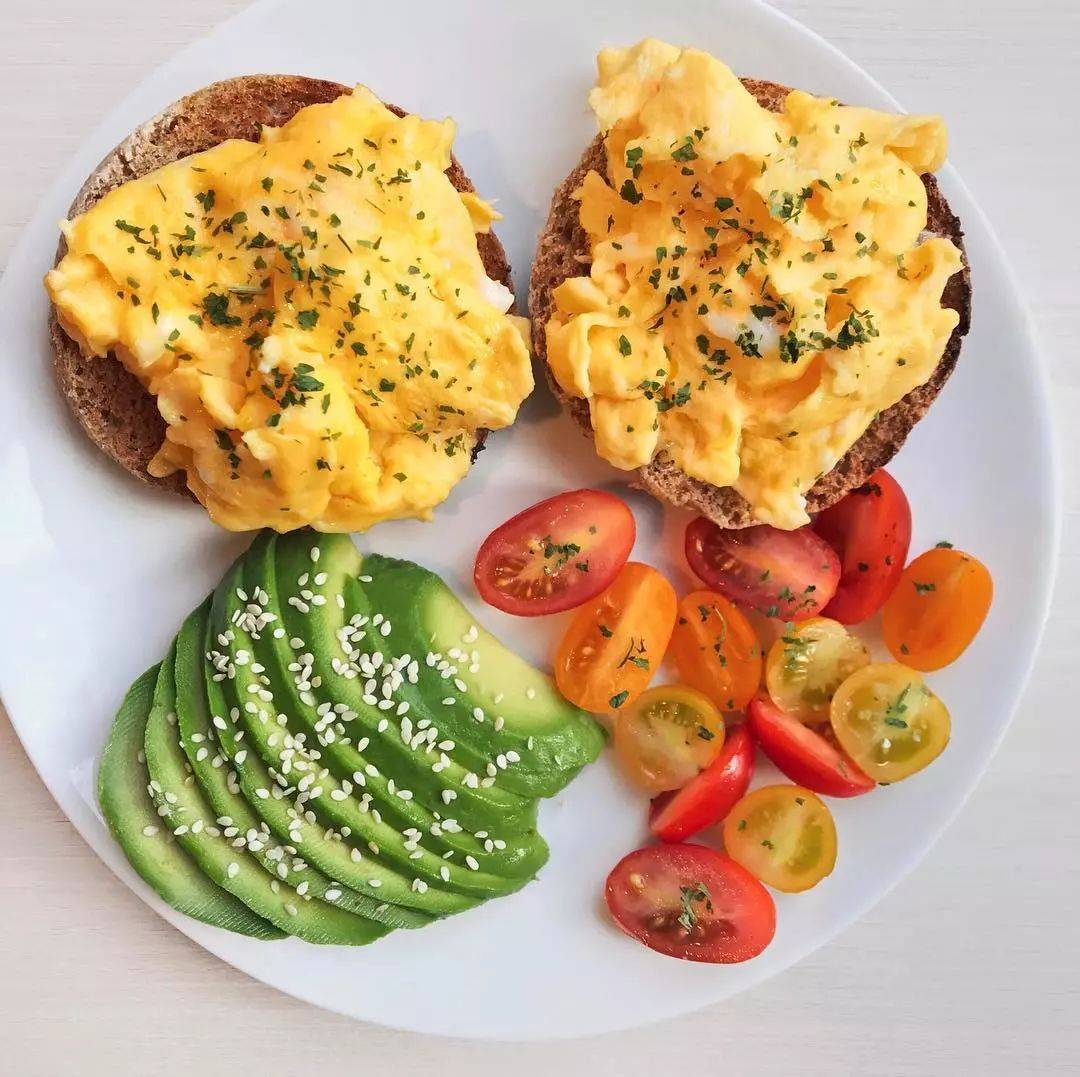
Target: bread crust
x=111, y=405
x=563, y=252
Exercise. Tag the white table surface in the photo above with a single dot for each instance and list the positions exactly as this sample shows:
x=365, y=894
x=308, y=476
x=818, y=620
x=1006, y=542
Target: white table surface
x=969, y=966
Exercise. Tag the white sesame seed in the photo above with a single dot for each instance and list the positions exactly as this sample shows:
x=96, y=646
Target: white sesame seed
x=149, y=831
x=232, y=870
x=473, y=863
x=332, y=895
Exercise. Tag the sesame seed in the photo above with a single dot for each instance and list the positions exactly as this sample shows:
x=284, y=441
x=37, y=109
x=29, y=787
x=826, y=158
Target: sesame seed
x=232, y=870
x=473, y=863
x=332, y=895
x=149, y=831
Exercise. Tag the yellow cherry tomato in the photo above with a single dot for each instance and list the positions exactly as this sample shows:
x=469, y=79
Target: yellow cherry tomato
x=889, y=722
x=808, y=663
x=667, y=736
x=783, y=834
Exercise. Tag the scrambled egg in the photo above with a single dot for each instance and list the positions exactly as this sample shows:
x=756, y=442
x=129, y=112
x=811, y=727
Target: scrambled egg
x=311, y=313
x=760, y=288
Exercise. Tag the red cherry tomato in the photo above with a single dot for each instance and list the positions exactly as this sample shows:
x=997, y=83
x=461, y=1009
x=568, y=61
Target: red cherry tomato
x=706, y=799
x=870, y=529
x=691, y=902
x=784, y=574
x=804, y=756
x=555, y=555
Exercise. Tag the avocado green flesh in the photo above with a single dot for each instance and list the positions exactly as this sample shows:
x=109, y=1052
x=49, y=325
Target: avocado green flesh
x=326, y=630
x=515, y=853
x=140, y=831
x=195, y=827
x=344, y=805
x=238, y=817
x=332, y=750
x=542, y=740
x=273, y=756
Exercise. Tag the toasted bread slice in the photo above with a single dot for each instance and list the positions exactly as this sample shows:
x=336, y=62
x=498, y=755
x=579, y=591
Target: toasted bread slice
x=563, y=252
x=120, y=416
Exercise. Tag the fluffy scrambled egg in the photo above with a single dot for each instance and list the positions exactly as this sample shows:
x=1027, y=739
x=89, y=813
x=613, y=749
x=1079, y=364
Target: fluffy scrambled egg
x=311, y=313
x=760, y=288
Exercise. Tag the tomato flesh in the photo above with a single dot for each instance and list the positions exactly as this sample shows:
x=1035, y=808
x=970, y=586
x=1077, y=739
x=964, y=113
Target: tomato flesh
x=556, y=554
x=667, y=736
x=870, y=529
x=889, y=722
x=708, y=797
x=615, y=642
x=716, y=650
x=784, y=835
x=787, y=574
x=691, y=902
x=804, y=755
x=937, y=609
x=808, y=663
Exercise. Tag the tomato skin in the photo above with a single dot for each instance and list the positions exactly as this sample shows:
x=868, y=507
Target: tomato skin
x=528, y=566
x=786, y=574
x=803, y=755
x=615, y=643
x=645, y=895
x=706, y=799
x=784, y=835
x=937, y=609
x=716, y=650
x=870, y=529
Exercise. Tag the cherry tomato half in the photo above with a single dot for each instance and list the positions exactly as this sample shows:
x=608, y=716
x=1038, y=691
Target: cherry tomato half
x=667, y=736
x=937, y=609
x=808, y=663
x=555, y=555
x=716, y=650
x=691, y=902
x=708, y=797
x=785, y=574
x=889, y=722
x=870, y=529
x=784, y=835
x=804, y=756
x=616, y=641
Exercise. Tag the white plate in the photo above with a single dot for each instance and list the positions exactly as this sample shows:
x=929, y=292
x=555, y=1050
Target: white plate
x=96, y=572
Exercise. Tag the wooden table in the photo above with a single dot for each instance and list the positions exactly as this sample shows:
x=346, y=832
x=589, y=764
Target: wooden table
x=969, y=966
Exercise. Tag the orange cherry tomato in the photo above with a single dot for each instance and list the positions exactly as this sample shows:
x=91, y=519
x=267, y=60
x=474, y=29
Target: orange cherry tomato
x=616, y=641
x=937, y=609
x=716, y=650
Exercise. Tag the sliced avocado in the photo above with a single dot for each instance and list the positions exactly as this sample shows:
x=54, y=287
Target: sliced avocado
x=225, y=861
x=288, y=815
x=385, y=738
x=147, y=842
x=198, y=738
x=497, y=703
x=331, y=637
x=425, y=880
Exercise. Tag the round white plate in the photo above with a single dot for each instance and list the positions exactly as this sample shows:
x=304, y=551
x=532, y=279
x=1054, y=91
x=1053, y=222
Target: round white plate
x=96, y=572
